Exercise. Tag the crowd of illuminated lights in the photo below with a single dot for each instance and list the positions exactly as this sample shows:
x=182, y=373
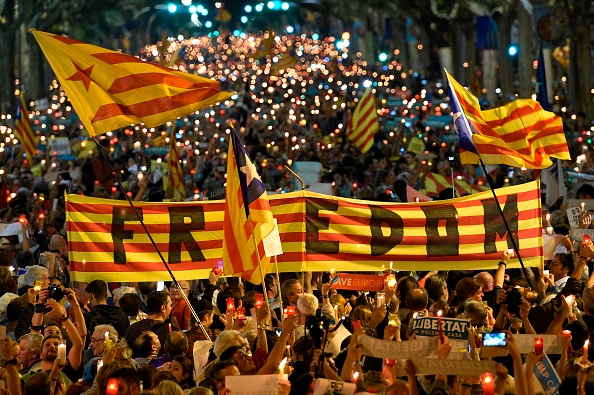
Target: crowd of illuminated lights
x=288, y=105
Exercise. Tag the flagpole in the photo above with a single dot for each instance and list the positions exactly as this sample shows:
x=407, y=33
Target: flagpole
x=177, y=284
x=511, y=236
x=278, y=287
x=259, y=259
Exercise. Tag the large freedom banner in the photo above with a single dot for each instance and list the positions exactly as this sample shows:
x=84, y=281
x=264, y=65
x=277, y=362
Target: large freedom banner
x=318, y=232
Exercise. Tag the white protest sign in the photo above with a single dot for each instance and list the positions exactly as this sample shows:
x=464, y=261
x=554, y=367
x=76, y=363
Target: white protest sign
x=60, y=146
x=325, y=386
x=272, y=242
x=588, y=203
x=526, y=343
x=333, y=345
x=573, y=216
x=420, y=347
x=262, y=385
x=453, y=367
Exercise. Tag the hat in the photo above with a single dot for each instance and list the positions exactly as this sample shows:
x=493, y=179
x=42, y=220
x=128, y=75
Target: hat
x=5, y=300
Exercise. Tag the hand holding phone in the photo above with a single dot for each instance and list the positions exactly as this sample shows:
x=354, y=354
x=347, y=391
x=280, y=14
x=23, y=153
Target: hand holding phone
x=495, y=339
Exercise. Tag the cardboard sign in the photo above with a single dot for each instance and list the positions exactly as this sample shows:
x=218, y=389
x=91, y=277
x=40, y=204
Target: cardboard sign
x=325, y=386
x=526, y=343
x=453, y=328
x=361, y=282
x=547, y=376
x=262, y=385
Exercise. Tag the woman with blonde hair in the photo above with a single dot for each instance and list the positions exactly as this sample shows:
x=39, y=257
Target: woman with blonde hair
x=168, y=387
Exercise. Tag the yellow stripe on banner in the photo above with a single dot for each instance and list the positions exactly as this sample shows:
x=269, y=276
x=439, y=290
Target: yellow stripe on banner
x=142, y=276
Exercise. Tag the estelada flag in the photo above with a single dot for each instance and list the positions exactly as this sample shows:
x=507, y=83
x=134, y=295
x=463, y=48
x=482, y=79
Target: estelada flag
x=248, y=218
x=22, y=128
x=110, y=90
x=519, y=134
x=364, y=123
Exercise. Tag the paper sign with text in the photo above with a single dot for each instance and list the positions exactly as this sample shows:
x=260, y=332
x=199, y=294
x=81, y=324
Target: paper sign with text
x=253, y=385
x=359, y=282
x=325, y=386
x=421, y=347
x=453, y=328
x=453, y=367
x=272, y=242
x=547, y=376
x=526, y=343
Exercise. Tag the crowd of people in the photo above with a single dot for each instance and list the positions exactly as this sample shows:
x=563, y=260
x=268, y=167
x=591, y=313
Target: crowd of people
x=65, y=336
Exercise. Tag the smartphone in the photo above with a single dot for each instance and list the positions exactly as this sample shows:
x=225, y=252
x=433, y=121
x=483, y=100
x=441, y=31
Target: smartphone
x=160, y=285
x=494, y=339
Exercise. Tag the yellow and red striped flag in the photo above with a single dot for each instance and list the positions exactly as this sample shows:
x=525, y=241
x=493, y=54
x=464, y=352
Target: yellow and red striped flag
x=519, y=134
x=363, y=125
x=110, y=90
x=287, y=61
x=248, y=218
x=22, y=128
x=176, y=189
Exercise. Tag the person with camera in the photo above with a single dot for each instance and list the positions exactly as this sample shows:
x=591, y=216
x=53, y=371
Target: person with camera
x=51, y=310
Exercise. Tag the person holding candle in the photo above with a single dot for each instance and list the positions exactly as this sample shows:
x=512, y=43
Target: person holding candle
x=57, y=312
x=49, y=353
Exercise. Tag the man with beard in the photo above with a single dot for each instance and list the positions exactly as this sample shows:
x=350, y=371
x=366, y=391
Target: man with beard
x=49, y=353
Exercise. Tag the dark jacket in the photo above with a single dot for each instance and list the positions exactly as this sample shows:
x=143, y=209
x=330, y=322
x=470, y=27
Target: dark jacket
x=106, y=314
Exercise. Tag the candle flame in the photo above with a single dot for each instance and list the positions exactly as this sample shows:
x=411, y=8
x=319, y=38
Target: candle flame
x=439, y=313
x=281, y=367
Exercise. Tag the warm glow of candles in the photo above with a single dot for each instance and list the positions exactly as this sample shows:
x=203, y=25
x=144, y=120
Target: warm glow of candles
x=112, y=387
x=538, y=345
x=62, y=354
x=290, y=311
x=240, y=313
x=281, y=367
x=230, y=304
x=585, y=353
x=488, y=384
x=259, y=300
x=566, y=334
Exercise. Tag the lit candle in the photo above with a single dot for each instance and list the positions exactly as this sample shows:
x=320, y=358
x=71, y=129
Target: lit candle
x=62, y=354
x=290, y=311
x=415, y=314
x=355, y=377
x=99, y=365
x=585, y=353
x=391, y=281
x=538, y=345
x=488, y=384
x=140, y=176
x=440, y=325
x=282, y=375
x=170, y=330
x=583, y=205
x=259, y=300
x=393, y=319
x=106, y=336
x=240, y=313
x=112, y=387
x=566, y=334
x=230, y=304
x=417, y=200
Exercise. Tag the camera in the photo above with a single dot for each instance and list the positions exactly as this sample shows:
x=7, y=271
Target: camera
x=316, y=325
x=513, y=298
x=55, y=292
x=494, y=339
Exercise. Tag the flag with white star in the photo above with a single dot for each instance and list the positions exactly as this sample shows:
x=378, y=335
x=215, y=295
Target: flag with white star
x=248, y=218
